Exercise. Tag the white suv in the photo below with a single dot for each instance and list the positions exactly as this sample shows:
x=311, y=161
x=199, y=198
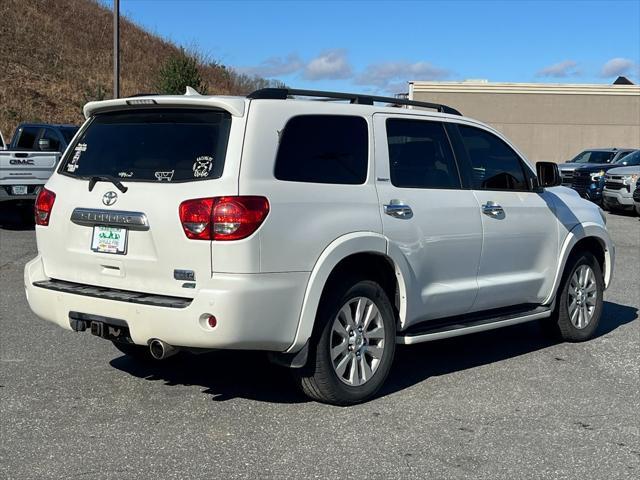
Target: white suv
x=321, y=231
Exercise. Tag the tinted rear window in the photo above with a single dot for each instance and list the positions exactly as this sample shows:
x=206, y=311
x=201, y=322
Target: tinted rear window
x=159, y=145
x=27, y=138
x=324, y=149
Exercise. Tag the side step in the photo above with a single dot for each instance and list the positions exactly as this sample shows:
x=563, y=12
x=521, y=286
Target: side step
x=435, y=330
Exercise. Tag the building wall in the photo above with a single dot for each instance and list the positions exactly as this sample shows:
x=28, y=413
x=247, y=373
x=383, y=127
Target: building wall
x=546, y=122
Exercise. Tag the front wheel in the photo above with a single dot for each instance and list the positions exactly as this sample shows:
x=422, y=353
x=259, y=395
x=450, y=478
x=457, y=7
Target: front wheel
x=580, y=300
x=352, y=349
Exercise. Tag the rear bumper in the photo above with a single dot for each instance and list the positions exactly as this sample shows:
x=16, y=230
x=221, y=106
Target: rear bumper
x=254, y=311
x=32, y=192
x=620, y=198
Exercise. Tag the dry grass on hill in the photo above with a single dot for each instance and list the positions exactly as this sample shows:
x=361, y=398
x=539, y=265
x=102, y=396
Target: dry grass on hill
x=55, y=55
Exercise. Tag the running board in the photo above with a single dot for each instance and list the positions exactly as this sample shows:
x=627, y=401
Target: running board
x=462, y=328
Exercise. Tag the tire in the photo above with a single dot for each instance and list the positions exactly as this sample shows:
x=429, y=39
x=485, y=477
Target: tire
x=582, y=284
x=137, y=352
x=361, y=359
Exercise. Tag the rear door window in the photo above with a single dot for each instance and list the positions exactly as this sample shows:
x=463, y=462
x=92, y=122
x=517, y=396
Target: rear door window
x=154, y=145
x=420, y=155
x=324, y=149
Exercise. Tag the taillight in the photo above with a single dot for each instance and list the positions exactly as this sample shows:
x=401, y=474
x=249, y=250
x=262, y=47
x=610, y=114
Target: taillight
x=223, y=218
x=195, y=216
x=43, y=206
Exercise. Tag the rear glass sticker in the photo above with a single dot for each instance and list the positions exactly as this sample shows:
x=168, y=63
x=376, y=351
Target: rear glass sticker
x=202, y=166
x=164, y=176
x=73, y=164
x=125, y=174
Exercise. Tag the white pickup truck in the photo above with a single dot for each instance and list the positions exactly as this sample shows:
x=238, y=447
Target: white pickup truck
x=30, y=158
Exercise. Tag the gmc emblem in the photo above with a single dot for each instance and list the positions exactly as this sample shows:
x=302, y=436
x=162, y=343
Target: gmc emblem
x=26, y=161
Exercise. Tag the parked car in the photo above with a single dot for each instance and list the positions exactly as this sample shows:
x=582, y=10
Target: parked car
x=619, y=185
x=636, y=197
x=30, y=158
x=589, y=180
x=319, y=231
x=596, y=156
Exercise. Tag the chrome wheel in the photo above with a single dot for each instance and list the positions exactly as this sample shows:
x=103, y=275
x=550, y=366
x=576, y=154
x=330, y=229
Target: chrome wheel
x=357, y=341
x=583, y=296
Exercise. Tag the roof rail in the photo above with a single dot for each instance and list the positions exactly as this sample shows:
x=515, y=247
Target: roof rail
x=284, y=93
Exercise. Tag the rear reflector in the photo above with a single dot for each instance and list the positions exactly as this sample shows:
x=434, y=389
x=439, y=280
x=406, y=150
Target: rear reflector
x=223, y=218
x=43, y=206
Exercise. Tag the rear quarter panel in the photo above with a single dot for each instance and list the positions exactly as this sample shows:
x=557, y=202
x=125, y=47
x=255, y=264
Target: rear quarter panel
x=304, y=218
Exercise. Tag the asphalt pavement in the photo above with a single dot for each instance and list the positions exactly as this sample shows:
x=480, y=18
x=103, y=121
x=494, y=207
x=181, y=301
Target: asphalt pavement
x=507, y=404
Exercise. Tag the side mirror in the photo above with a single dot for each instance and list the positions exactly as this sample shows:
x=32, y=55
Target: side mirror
x=44, y=144
x=548, y=174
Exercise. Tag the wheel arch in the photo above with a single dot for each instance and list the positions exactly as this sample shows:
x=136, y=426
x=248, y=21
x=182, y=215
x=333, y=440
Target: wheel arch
x=359, y=251
x=588, y=237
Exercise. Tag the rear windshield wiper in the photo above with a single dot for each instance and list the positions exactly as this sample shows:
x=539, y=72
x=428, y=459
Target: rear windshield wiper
x=103, y=178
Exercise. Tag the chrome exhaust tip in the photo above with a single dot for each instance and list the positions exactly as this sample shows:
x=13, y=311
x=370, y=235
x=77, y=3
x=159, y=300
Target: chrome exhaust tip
x=161, y=350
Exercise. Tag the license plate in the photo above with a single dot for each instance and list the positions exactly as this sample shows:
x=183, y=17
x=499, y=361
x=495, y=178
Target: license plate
x=19, y=190
x=109, y=240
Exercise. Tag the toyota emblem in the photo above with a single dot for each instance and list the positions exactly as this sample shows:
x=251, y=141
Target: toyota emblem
x=109, y=198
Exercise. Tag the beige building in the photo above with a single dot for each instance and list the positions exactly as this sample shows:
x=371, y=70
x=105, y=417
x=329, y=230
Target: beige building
x=545, y=121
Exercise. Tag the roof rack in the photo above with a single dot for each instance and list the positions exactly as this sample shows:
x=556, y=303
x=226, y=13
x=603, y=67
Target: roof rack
x=284, y=93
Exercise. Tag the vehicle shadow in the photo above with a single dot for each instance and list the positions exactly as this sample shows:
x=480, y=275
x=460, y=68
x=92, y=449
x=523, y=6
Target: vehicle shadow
x=16, y=215
x=415, y=364
x=233, y=374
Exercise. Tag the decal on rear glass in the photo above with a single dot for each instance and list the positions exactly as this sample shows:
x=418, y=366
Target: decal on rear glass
x=125, y=174
x=73, y=164
x=164, y=176
x=202, y=166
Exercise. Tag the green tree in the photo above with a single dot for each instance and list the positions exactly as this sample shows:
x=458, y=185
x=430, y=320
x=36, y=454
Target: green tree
x=179, y=72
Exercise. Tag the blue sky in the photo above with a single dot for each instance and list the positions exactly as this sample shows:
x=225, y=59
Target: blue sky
x=378, y=46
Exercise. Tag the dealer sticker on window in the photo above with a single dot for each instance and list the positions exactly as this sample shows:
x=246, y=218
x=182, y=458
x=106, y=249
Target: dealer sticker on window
x=109, y=240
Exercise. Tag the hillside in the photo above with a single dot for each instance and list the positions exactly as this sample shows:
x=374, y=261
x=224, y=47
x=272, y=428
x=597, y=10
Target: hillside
x=55, y=55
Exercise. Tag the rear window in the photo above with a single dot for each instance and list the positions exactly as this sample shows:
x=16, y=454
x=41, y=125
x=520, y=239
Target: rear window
x=159, y=145
x=27, y=138
x=324, y=149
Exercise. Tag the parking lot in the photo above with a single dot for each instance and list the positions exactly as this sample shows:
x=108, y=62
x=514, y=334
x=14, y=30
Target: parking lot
x=504, y=404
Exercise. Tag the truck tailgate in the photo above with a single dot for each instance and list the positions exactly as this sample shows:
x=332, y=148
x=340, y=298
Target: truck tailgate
x=27, y=167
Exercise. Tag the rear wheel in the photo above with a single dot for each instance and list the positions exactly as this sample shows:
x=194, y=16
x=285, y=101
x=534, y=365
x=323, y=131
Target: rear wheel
x=580, y=300
x=352, y=349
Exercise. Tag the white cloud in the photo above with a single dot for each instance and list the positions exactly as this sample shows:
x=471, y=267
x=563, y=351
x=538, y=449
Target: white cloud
x=385, y=74
x=560, y=70
x=619, y=66
x=329, y=65
x=275, y=66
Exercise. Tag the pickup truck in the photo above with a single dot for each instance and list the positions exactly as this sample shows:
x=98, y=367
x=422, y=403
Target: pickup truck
x=29, y=160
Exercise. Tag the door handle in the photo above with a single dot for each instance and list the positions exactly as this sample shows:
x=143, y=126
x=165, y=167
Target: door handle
x=398, y=210
x=492, y=209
